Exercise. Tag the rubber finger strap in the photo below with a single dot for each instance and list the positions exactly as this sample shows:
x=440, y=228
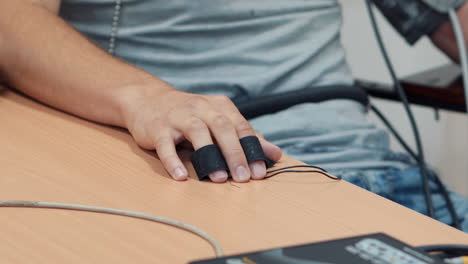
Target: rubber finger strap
x=209, y=158
x=254, y=152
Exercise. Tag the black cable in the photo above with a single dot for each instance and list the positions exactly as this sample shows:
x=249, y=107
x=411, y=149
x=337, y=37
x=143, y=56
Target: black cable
x=418, y=158
x=404, y=99
x=267, y=104
x=394, y=132
x=297, y=166
x=460, y=250
x=288, y=169
x=453, y=213
x=304, y=171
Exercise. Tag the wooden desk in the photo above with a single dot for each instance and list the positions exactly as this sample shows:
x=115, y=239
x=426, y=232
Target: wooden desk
x=51, y=156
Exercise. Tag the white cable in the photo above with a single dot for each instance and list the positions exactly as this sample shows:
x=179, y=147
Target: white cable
x=158, y=219
x=461, y=49
x=444, y=6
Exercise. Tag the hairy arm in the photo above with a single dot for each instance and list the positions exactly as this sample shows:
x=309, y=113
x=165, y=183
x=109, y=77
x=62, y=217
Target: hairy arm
x=42, y=56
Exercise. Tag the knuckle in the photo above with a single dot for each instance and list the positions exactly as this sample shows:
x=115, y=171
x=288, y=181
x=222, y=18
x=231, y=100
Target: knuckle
x=161, y=142
x=222, y=122
x=243, y=127
x=196, y=124
x=196, y=102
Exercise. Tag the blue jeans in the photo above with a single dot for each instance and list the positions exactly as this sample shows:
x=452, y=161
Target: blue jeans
x=404, y=186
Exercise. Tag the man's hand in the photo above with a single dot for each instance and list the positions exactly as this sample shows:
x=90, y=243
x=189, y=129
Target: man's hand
x=164, y=119
x=64, y=69
x=51, y=5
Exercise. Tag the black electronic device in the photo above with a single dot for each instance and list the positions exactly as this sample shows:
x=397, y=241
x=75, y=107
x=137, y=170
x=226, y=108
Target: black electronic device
x=368, y=249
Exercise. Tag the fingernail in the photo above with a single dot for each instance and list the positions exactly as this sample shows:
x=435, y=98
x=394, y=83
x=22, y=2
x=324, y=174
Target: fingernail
x=258, y=170
x=242, y=173
x=219, y=175
x=179, y=174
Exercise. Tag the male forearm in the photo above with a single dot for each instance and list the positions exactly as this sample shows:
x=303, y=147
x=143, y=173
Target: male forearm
x=44, y=57
x=444, y=37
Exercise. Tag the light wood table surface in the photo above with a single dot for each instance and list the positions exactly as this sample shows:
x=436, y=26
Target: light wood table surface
x=48, y=155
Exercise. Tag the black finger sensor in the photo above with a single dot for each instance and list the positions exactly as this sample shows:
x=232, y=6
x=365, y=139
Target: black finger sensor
x=209, y=158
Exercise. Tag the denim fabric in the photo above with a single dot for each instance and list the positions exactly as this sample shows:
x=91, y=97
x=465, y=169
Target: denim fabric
x=404, y=186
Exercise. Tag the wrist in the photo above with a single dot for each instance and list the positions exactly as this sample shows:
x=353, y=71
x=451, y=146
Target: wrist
x=129, y=98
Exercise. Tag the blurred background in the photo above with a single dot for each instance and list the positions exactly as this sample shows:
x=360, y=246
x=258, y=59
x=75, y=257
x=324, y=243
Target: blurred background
x=445, y=141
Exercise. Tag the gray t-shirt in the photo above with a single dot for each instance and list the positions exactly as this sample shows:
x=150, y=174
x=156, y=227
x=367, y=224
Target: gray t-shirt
x=250, y=48
x=223, y=46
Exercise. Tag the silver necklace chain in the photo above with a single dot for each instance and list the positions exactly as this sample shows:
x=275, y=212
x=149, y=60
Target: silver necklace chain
x=115, y=26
